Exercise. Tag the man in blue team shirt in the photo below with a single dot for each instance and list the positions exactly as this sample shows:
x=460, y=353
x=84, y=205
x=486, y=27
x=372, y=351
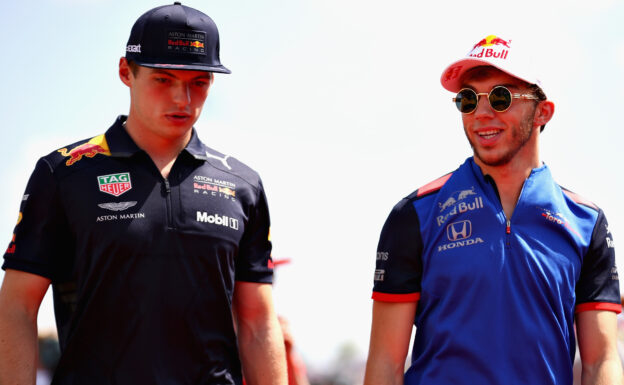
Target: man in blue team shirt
x=156, y=246
x=495, y=264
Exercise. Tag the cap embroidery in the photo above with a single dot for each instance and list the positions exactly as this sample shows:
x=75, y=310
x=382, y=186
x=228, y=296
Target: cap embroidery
x=186, y=42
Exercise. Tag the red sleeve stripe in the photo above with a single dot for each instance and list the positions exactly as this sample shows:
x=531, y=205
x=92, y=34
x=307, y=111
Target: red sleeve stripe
x=385, y=297
x=579, y=199
x=614, y=307
x=433, y=186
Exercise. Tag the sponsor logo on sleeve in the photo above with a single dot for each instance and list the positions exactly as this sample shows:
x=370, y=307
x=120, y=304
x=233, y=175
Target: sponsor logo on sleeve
x=216, y=219
x=11, y=248
x=382, y=255
x=380, y=274
x=115, y=184
x=610, y=243
x=459, y=202
x=614, y=274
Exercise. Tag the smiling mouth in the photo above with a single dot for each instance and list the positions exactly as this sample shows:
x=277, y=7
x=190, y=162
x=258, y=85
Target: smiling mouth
x=488, y=134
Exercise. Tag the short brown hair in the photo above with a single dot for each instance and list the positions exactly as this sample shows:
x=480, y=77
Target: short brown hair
x=134, y=67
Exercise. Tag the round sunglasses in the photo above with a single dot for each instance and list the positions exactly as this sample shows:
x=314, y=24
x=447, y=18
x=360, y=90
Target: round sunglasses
x=499, y=97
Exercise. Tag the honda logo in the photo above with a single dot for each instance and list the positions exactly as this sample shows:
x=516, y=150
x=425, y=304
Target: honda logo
x=459, y=230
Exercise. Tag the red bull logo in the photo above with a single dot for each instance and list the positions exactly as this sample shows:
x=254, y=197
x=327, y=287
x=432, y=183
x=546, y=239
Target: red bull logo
x=11, y=248
x=185, y=43
x=96, y=145
x=492, y=40
x=227, y=191
x=491, y=47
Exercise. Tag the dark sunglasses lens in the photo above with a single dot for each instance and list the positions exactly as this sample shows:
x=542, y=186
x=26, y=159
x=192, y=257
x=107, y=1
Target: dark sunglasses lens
x=466, y=101
x=500, y=98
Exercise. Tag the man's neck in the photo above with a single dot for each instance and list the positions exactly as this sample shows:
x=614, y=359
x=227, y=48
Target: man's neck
x=509, y=179
x=162, y=150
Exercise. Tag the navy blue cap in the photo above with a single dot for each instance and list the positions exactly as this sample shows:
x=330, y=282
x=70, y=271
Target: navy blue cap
x=175, y=37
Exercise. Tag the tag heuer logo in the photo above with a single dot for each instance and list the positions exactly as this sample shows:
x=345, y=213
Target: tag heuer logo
x=115, y=184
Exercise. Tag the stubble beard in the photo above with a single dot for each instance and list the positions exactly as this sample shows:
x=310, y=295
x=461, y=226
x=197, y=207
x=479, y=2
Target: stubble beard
x=520, y=135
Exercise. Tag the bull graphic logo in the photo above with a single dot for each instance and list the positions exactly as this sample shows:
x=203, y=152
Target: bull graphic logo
x=96, y=145
x=466, y=193
x=451, y=201
x=492, y=40
x=457, y=231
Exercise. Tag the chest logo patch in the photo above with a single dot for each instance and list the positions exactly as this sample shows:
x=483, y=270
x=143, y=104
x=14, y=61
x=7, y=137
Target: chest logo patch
x=117, y=206
x=459, y=230
x=115, y=184
x=559, y=219
x=459, y=234
x=214, y=187
x=459, y=202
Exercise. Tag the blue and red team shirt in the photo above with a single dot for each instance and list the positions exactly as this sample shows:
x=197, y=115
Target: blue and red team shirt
x=142, y=267
x=496, y=297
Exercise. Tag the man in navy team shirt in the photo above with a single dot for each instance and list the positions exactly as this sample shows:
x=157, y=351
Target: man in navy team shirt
x=156, y=246
x=495, y=264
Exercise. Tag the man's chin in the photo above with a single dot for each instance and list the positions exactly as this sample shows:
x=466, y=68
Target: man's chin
x=492, y=160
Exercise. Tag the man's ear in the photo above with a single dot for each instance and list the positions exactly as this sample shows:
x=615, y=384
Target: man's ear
x=125, y=73
x=543, y=113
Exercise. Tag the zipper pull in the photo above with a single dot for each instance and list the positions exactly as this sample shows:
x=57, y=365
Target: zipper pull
x=167, y=186
x=508, y=226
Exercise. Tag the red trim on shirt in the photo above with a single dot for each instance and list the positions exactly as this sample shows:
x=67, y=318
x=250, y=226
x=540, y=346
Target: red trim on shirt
x=579, y=199
x=614, y=307
x=433, y=186
x=385, y=297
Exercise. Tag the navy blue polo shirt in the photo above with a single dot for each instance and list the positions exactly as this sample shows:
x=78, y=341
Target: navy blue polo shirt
x=142, y=267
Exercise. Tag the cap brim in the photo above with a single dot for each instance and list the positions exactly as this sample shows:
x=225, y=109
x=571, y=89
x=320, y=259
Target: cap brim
x=452, y=75
x=186, y=67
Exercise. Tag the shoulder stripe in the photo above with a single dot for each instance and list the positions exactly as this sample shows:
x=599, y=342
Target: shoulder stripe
x=579, y=199
x=385, y=297
x=433, y=186
x=614, y=307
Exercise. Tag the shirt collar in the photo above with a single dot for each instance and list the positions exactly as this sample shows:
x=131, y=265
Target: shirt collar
x=121, y=144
